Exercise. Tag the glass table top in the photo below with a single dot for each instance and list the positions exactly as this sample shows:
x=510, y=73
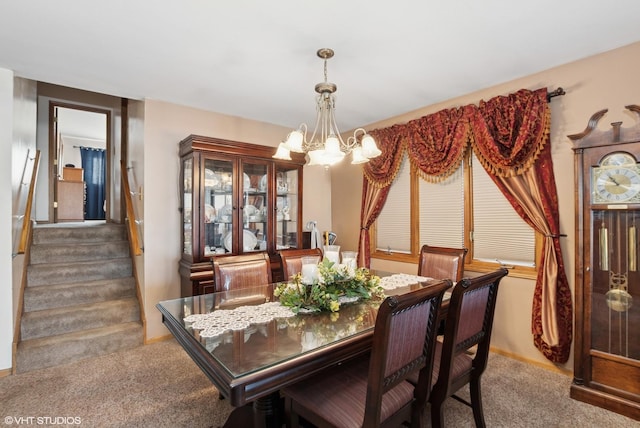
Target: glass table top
x=242, y=350
x=257, y=341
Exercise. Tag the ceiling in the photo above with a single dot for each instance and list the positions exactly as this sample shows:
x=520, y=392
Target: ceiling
x=257, y=59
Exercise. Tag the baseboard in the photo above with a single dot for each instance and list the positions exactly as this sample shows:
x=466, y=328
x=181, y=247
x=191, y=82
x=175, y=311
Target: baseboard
x=6, y=372
x=158, y=339
x=550, y=366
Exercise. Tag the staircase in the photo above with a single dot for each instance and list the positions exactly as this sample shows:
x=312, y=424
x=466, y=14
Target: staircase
x=80, y=297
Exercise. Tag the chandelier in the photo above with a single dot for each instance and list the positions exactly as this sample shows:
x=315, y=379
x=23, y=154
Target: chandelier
x=326, y=146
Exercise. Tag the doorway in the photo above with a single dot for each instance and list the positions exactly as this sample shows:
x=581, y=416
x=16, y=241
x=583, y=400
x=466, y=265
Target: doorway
x=79, y=141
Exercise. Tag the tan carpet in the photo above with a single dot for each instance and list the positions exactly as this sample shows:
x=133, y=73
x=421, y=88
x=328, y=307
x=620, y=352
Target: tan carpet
x=159, y=386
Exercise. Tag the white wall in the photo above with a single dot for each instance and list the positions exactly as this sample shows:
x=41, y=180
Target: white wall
x=18, y=110
x=6, y=295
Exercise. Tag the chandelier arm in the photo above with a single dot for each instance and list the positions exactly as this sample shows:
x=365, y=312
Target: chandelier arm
x=352, y=141
x=343, y=146
x=305, y=130
x=327, y=112
x=312, y=144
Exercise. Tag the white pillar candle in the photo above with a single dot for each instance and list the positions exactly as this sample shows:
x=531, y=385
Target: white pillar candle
x=309, y=273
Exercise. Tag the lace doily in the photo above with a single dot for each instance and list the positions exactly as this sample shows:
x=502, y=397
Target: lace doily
x=400, y=280
x=218, y=322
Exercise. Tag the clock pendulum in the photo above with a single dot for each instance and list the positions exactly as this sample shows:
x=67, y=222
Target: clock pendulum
x=633, y=245
x=604, y=246
x=618, y=298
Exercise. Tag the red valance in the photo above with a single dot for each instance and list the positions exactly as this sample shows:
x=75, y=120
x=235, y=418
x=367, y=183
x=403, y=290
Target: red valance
x=509, y=131
x=381, y=171
x=437, y=142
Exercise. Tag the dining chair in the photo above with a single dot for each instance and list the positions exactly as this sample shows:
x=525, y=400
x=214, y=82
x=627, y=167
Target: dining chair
x=442, y=262
x=469, y=323
x=292, y=260
x=241, y=271
x=372, y=391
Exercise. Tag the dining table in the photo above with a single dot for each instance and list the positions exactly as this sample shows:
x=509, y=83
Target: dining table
x=250, y=346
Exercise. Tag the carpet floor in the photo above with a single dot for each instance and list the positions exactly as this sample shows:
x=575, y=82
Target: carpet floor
x=158, y=385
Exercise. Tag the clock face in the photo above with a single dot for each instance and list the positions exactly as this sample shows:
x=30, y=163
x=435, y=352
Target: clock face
x=616, y=180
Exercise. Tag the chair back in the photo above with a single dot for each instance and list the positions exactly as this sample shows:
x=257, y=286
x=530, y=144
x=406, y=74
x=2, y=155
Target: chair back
x=292, y=260
x=442, y=262
x=469, y=323
x=403, y=343
x=241, y=271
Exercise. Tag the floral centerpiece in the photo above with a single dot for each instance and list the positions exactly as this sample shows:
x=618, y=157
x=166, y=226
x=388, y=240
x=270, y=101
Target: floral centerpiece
x=335, y=284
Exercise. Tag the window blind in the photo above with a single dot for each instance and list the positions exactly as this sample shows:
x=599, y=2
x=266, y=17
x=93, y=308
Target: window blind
x=442, y=211
x=393, y=232
x=499, y=234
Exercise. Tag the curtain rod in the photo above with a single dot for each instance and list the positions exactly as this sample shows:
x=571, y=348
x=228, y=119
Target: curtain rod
x=558, y=92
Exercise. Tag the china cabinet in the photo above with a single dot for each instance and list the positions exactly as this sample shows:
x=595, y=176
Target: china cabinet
x=235, y=199
x=607, y=345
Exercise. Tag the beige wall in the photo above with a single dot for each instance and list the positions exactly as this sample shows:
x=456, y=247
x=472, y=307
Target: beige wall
x=165, y=125
x=608, y=80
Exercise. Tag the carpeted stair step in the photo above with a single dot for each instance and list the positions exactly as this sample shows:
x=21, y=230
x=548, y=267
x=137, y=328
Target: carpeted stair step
x=73, y=273
x=52, y=322
x=80, y=298
x=76, y=252
x=63, y=295
x=56, y=350
x=58, y=234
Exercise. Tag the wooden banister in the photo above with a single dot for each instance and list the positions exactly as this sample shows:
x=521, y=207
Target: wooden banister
x=131, y=217
x=26, y=220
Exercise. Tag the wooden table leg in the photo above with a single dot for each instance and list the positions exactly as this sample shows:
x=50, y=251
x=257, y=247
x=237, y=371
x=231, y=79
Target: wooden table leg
x=267, y=411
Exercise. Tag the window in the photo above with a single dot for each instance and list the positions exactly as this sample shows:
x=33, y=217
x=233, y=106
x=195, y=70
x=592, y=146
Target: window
x=467, y=209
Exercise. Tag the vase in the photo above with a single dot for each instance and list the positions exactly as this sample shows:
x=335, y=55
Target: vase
x=349, y=259
x=332, y=253
x=309, y=270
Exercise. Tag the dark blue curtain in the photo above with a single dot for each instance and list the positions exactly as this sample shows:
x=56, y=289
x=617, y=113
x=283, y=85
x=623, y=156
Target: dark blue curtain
x=93, y=163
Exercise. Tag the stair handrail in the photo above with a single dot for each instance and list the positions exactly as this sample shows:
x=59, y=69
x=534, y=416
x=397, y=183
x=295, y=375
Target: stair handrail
x=21, y=243
x=133, y=223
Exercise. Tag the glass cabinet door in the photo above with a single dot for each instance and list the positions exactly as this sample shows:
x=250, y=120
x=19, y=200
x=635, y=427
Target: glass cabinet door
x=187, y=206
x=218, y=206
x=287, y=201
x=255, y=200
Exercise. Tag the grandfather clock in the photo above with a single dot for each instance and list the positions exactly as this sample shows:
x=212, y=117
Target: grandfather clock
x=607, y=281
